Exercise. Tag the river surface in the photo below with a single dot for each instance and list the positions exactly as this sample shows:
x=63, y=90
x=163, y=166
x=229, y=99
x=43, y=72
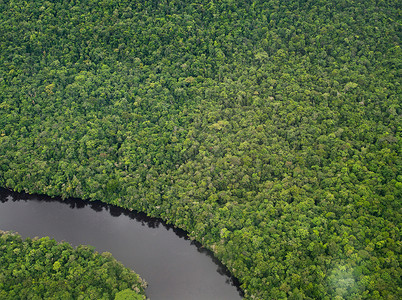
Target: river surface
x=174, y=267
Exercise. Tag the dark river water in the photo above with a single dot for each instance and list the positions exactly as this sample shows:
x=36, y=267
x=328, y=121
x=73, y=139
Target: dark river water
x=174, y=267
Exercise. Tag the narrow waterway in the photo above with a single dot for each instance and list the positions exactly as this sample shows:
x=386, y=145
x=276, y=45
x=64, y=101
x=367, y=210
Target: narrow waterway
x=174, y=267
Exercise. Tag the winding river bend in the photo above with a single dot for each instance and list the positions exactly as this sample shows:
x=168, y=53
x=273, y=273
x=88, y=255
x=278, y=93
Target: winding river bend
x=174, y=267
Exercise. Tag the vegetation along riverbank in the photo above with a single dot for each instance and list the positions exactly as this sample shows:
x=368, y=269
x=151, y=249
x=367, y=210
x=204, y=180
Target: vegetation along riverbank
x=44, y=269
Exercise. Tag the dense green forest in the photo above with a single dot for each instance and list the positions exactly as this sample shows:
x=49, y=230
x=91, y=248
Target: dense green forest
x=45, y=269
x=268, y=130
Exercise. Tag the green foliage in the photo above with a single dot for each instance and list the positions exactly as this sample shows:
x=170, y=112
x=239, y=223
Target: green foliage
x=269, y=130
x=45, y=269
x=127, y=295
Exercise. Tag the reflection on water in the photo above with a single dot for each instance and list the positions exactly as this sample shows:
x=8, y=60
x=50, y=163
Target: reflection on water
x=174, y=266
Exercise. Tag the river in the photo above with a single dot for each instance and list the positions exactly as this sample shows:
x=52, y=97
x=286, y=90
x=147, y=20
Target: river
x=174, y=267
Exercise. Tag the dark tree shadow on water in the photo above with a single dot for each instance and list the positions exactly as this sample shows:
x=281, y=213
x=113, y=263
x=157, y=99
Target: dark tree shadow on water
x=115, y=211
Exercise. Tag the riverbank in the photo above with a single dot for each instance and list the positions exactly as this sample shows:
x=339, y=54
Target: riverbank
x=44, y=268
x=174, y=267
